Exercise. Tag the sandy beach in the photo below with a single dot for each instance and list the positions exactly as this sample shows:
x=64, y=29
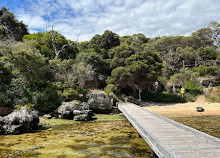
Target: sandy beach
x=186, y=109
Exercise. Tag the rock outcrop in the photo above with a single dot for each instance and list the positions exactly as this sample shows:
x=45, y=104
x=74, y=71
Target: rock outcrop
x=20, y=121
x=100, y=102
x=73, y=110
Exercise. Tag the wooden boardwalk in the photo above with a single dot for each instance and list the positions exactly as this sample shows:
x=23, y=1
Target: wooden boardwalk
x=170, y=139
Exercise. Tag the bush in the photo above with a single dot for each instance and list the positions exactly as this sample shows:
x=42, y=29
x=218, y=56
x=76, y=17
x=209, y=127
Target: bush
x=164, y=97
x=18, y=107
x=109, y=89
x=113, y=96
x=30, y=106
x=194, y=87
x=207, y=70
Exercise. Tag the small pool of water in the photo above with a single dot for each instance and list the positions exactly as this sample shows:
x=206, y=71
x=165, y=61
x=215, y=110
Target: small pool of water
x=79, y=139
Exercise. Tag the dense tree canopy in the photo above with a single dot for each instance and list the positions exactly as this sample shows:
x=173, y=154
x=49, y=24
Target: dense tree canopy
x=44, y=43
x=32, y=70
x=137, y=70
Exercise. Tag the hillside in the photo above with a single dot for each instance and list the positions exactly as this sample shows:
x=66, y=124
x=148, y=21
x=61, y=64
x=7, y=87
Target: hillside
x=46, y=69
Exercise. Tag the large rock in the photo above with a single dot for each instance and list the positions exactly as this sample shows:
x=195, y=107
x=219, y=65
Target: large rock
x=100, y=102
x=20, y=121
x=66, y=110
x=84, y=115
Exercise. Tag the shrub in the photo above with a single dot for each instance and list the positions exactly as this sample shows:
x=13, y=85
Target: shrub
x=18, y=107
x=207, y=70
x=165, y=97
x=109, y=89
x=30, y=106
x=113, y=96
x=194, y=87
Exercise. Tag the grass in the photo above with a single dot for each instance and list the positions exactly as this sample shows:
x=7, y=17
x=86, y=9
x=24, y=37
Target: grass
x=99, y=117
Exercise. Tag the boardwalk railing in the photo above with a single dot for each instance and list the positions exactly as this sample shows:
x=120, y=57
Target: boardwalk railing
x=168, y=138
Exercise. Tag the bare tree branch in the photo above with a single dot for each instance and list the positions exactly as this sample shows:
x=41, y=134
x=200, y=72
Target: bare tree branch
x=57, y=52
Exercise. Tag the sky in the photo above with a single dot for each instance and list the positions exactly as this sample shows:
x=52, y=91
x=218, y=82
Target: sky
x=80, y=20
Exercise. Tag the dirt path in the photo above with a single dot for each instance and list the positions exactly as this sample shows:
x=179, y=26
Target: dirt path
x=201, y=99
x=186, y=109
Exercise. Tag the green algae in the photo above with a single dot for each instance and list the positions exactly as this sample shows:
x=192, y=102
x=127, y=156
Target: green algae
x=66, y=138
x=77, y=139
x=206, y=124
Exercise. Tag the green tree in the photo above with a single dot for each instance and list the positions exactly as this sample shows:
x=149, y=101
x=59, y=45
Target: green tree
x=32, y=77
x=105, y=41
x=141, y=70
x=10, y=27
x=65, y=79
x=119, y=54
x=45, y=45
x=207, y=53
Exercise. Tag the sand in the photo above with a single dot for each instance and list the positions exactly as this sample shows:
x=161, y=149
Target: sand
x=186, y=109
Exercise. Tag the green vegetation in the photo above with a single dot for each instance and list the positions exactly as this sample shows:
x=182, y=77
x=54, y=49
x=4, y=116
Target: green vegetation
x=111, y=89
x=46, y=69
x=214, y=94
x=10, y=27
x=164, y=97
x=102, y=117
x=114, y=138
x=206, y=124
x=78, y=139
x=99, y=117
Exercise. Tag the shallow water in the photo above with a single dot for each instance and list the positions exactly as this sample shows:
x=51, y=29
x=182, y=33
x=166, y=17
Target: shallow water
x=78, y=139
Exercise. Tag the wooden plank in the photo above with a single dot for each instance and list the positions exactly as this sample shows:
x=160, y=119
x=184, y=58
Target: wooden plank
x=168, y=138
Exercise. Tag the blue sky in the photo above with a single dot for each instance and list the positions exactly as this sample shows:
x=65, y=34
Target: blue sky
x=82, y=19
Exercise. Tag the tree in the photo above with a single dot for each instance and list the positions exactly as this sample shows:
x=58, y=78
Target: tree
x=53, y=44
x=119, y=54
x=207, y=53
x=202, y=38
x=32, y=77
x=190, y=56
x=11, y=28
x=59, y=52
x=65, y=79
x=141, y=70
x=215, y=33
x=106, y=41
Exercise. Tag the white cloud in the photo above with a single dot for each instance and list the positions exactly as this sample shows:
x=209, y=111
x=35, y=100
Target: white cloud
x=33, y=22
x=125, y=17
